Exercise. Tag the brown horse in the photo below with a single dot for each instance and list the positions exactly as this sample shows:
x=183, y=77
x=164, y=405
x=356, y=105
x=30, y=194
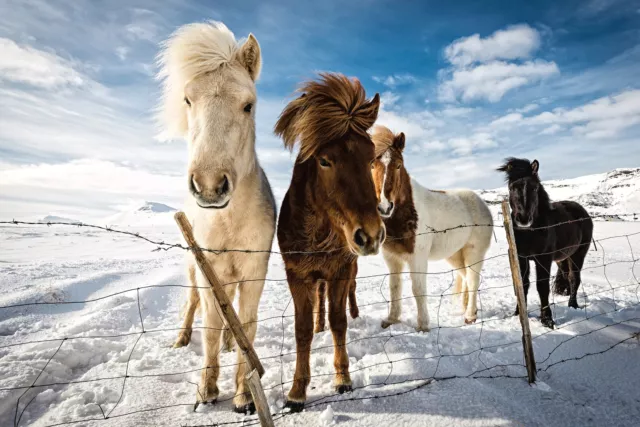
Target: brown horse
x=329, y=215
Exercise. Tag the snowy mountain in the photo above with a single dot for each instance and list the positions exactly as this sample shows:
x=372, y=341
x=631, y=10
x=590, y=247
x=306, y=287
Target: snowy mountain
x=613, y=193
x=147, y=213
x=55, y=218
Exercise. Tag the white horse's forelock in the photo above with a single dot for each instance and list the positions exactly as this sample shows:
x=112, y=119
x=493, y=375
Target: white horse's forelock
x=190, y=52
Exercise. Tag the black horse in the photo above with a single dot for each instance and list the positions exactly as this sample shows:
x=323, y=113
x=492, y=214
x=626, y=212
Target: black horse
x=546, y=231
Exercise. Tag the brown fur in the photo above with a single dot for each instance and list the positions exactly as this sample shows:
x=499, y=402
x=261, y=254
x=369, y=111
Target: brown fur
x=401, y=226
x=331, y=196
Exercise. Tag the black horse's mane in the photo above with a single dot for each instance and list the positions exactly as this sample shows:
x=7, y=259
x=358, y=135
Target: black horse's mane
x=516, y=169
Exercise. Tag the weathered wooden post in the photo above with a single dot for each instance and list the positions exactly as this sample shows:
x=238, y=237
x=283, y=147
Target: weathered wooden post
x=256, y=370
x=519, y=290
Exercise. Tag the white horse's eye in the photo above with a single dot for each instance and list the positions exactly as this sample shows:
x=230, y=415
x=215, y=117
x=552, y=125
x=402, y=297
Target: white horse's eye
x=248, y=107
x=186, y=101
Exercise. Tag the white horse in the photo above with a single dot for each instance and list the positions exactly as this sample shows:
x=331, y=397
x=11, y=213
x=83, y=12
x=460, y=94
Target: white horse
x=412, y=214
x=209, y=98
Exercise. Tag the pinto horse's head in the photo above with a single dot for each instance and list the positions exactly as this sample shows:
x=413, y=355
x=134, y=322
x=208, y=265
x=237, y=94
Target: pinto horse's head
x=330, y=121
x=209, y=98
x=524, y=189
x=388, y=169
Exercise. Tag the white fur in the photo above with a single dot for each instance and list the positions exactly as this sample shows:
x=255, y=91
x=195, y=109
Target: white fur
x=385, y=159
x=206, y=61
x=463, y=247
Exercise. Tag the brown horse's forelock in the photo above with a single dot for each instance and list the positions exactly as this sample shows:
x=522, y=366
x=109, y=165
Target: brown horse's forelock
x=329, y=109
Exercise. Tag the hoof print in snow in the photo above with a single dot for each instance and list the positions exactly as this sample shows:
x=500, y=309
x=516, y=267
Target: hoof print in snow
x=248, y=409
x=294, y=406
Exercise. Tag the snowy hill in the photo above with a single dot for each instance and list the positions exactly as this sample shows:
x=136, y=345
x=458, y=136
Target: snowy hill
x=612, y=193
x=147, y=213
x=55, y=218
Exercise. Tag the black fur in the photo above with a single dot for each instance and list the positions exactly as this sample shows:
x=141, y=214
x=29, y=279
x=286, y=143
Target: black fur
x=546, y=231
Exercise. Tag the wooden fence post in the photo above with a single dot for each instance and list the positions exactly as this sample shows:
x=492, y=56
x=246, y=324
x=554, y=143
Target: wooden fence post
x=255, y=368
x=527, y=344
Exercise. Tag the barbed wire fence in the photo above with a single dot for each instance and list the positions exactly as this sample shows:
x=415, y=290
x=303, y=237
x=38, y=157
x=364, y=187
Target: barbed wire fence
x=479, y=358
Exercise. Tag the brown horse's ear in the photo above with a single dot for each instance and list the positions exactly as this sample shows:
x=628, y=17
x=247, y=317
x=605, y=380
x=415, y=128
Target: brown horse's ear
x=534, y=167
x=250, y=57
x=374, y=106
x=398, y=142
x=286, y=126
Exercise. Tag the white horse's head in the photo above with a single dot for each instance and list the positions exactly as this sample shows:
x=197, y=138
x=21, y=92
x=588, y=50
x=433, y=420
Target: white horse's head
x=209, y=98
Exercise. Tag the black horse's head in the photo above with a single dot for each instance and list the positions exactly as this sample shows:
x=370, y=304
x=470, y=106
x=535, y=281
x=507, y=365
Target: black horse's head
x=526, y=195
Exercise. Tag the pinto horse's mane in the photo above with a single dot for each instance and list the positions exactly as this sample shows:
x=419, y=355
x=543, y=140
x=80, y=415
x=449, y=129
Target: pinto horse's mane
x=328, y=109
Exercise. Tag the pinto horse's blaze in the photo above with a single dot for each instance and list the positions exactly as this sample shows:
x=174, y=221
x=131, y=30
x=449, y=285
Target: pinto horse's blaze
x=329, y=213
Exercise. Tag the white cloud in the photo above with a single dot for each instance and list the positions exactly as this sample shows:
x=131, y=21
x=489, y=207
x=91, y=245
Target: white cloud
x=434, y=145
x=122, y=52
x=506, y=121
x=456, y=111
x=527, y=108
x=552, y=130
x=514, y=42
x=395, y=80
x=25, y=64
x=493, y=80
x=485, y=68
x=467, y=145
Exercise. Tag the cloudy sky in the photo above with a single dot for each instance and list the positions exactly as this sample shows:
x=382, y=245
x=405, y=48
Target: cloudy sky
x=468, y=82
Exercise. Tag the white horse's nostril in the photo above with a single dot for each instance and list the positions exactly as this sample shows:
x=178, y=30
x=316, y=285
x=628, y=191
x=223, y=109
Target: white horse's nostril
x=196, y=187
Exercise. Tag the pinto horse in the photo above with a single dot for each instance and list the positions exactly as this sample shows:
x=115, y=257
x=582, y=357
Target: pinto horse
x=209, y=98
x=546, y=231
x=328, y=216
x=413, y=215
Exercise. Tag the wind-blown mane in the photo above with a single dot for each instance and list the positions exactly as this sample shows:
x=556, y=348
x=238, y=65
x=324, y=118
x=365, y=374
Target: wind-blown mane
x=328, y=109
x=190, y=52
x=516, y=169
x=384, y=139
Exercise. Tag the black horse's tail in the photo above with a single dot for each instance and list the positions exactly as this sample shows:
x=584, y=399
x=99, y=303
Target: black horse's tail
x=594, y=244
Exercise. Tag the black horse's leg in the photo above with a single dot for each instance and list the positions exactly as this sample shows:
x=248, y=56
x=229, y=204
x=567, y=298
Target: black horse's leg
x=576, y=262
x=543, y=274
x=561, y=283
x=524, y=272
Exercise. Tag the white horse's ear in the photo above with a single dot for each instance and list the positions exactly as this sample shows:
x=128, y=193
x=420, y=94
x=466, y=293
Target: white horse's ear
x=535, y=165
x=398, y=142
x=250, y=57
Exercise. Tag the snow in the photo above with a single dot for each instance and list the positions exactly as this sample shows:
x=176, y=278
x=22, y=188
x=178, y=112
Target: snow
x=124, y=281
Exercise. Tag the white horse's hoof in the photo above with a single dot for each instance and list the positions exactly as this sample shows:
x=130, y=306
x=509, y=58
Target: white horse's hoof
x=423, y=328
x=386, y=323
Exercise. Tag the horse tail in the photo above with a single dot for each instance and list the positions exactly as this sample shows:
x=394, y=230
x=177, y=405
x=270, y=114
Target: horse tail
x=594, y=244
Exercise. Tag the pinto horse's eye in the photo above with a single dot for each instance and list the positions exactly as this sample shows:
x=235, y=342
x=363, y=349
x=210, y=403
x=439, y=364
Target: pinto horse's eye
x=186, y=101
x=324, y=162
x=248, y=107
x=399, y=166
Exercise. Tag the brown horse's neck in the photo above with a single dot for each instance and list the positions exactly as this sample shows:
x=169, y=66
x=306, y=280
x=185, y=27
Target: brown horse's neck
x=311, y=214
x=403, y=223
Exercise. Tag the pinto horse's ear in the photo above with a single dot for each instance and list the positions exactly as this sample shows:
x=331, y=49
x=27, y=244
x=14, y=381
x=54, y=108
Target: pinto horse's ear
x=250, y=57
x=534, y=167
x=398, y=142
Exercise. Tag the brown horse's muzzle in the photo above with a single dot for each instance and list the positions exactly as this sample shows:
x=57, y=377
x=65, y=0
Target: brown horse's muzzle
x=367, y=238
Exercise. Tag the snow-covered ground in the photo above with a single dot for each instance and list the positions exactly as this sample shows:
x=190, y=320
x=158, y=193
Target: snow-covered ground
x=121, y=277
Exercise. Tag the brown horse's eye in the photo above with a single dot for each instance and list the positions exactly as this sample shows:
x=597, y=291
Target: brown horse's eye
x=186, y=101
x=324, y=162
x=248, y=107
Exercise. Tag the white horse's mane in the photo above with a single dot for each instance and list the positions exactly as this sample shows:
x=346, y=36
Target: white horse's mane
x=190, y=52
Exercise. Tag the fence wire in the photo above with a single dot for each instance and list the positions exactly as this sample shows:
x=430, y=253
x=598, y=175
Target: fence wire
x=546, y=360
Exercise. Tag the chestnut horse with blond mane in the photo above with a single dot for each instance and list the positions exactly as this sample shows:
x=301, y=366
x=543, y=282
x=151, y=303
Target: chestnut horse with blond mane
x=329, y=215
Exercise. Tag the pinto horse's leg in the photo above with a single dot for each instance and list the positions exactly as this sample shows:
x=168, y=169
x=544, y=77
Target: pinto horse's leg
x=419, y=270
x=184, y=337
x=304, y=294
x=473, y=260
x=338, y=322
x=459, y=294
x=543, y=275
x=250, y=293
x=320, y=310
x=395, y=289
x=524, y=272
x=576, y=261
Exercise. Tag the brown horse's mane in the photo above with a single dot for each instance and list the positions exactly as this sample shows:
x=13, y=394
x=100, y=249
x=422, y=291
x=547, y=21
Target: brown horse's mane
x=328, y=109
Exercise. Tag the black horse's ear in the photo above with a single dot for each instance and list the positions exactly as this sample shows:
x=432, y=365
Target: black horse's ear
x=534, y=167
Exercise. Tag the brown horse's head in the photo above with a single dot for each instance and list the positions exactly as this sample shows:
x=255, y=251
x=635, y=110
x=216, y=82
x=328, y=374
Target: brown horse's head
x=388, y=170
x=330, y=120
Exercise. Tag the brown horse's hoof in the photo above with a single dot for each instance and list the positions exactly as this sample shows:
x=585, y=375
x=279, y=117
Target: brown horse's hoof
x=354, y=312
x=294, y=406
x=344, y=388
x=249, y=408
x=198, y=403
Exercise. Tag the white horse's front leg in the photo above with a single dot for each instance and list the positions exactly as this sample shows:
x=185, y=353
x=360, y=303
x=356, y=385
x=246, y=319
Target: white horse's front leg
x=395, y=289
x=419, y=287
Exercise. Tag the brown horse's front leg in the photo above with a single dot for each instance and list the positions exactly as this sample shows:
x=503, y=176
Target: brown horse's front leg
x=320, y=306
x=338, y=322
x=304, y=295
x=353, y=304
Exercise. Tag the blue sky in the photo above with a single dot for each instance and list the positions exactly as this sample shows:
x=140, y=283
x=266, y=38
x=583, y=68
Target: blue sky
x=468, y=82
